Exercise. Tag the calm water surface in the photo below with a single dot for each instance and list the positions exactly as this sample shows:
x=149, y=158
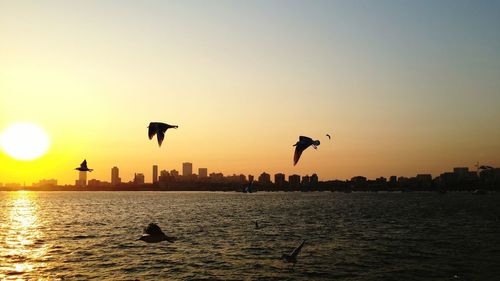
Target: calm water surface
x=355, y=236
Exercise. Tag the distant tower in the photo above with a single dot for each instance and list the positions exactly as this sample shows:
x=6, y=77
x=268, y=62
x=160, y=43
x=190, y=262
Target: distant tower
x=187, y=169
x=82, y=179
x=202, y=173
x=115, y=176
x=155, y=173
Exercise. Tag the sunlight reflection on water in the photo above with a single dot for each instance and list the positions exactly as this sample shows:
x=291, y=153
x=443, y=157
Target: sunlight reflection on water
x=21, y=233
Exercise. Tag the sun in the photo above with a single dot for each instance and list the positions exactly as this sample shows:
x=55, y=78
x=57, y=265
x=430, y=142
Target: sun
x=24, y=141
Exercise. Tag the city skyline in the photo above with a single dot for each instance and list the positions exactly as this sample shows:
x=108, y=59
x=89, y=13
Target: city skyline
x=402, y=87
x=278, y=178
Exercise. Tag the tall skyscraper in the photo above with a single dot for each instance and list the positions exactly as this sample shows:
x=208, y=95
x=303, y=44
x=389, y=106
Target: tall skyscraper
x=155, y=173
x=82, y=179
x=202, y=173
x=187, y=169
x=115, y=176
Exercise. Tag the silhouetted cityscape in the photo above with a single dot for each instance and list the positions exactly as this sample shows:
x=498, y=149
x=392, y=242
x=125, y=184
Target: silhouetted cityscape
x=461, y=178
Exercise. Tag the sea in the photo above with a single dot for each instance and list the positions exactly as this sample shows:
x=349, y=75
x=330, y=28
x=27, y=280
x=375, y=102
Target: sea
x=348, y=236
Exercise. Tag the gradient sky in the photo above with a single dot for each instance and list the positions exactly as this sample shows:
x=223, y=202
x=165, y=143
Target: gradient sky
x=404, y=87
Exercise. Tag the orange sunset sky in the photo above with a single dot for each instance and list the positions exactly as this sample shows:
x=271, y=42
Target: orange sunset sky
x=403, y=87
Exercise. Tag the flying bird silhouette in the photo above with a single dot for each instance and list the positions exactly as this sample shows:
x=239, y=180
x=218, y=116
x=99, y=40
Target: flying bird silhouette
x=292, y=257
x=154, y=234
x=301, y=145
x=83, y=167
x=329, y=137
x=159, y=129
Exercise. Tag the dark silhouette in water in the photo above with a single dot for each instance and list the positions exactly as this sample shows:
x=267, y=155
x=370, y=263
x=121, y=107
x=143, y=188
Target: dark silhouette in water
x=301, y=145
x=154, y=234
x=259, y=226
x=83, y=167
x=159, y=129
x=292, y=257
x=329, y=137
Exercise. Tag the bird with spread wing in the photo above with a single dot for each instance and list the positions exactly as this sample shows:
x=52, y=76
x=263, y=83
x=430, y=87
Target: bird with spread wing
x=159, y=129
x=301, y=145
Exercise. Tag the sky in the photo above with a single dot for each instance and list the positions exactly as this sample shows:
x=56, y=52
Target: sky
x=403, y=87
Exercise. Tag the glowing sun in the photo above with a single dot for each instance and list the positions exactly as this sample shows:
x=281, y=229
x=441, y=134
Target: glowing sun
x=24, y=141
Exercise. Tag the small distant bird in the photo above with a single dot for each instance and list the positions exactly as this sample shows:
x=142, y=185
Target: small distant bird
x=159, y=129
x=329, y=137
x=292, y=257
x=153, y=234
x=301, y=145
x=83, y=167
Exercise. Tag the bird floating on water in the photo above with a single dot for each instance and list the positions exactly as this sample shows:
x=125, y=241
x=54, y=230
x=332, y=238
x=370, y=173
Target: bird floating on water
x=301, y=145
x=83, y=167
x=159, y=129
x=292, y=257
x=154, y=234
x=329, y=137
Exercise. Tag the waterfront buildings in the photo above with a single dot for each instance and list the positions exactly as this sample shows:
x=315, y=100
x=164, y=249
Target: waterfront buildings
x=155, y=173
x=187, y=169
x=115, y=176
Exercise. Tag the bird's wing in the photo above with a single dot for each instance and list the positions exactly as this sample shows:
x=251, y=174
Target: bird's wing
x=152, y=129
x=296, y=252
x=305, y=139
x=153, y=229
x=160, y=136
x=84, y=164
x=299, y=148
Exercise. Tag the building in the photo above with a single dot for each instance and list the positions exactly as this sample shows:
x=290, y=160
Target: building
x=138, y=178
x=155, y=173
x=279, y=179
x=358, y=182
x=216, y=177
x=424, y=180
x=306, y=180
x=115, y=176
x=461, y=172
x=187, y=169
x=174, y=173
x=45, y=183
x=82, y=179
x=393, y=181
x=250, y=178
x=294, y=180
x=265, y=178
x=202, y=173
x=97, y=183
x=314, y=179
